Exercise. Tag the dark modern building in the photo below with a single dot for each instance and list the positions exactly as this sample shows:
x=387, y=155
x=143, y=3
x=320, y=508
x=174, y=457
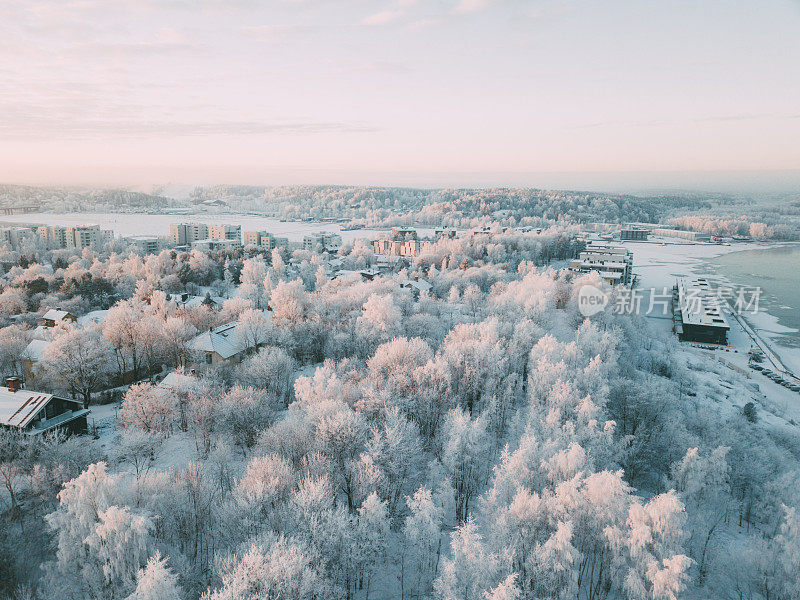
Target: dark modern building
x=697, y=315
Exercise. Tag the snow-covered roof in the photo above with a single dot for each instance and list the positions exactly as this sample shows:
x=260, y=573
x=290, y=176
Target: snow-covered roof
x=55, y=314
x=195, y=301
x=92, y=318
x=42, y=332
x=18, y=409
x=226, y=340
x=177, y=380
x=421, y=285
x=35, y=349
x=698, y=304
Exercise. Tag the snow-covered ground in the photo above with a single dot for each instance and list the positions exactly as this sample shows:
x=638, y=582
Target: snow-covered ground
x=658, y=265
x=149, y=224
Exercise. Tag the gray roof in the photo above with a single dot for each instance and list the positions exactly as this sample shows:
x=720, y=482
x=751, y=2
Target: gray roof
x=18, y=409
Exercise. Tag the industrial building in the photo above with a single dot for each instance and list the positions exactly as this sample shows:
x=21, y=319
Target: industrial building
x=697, y=316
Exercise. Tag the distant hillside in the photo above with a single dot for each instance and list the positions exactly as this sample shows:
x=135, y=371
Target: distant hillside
x=71, y=199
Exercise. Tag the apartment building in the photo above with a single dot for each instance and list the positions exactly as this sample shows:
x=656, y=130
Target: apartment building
x=330, y=242
x=55, y=236
x=404, y=242
x=14, y=236
x=146, y=244
x=212, y=245
x=693, y=236
x=183, y=234
x=263, y=239
x=614, y=263
x=225, y=232
x=86, y=236
x=697, y=313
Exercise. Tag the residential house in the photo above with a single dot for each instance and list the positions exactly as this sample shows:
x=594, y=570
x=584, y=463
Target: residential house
x=226, y=344
x=56, y=316
x=38, y=412
x=417, y=286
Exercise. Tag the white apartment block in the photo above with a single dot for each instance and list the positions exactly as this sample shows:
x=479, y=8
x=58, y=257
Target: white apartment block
x=212, y=245
x=614, y=263
x=13, y=236
x=55, y=236
x=330, y=242
x=146, y=244
x=85, y=236
x=183, y=234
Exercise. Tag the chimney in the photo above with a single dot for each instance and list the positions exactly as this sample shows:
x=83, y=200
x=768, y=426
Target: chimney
x=14, y=384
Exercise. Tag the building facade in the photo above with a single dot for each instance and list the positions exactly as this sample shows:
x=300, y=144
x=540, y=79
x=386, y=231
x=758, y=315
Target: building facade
x=183, y=234
x=225, y=232
x=38, y=412
x=633, y=234
x=694, y=236
x=330, y=242
x=697, y=315
x=613, y=263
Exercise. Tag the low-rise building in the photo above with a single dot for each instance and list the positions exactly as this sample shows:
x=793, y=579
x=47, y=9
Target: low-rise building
x=225, y=344
x=442, y=233
x=212, y=245
x=33, y=353
x=188, y=301
x=416, y=285
x=633, y=234
x=38, y=412
x=697, y=315
x=55, y=316
x=146, y=244
x=613, y=263
x=694, y=236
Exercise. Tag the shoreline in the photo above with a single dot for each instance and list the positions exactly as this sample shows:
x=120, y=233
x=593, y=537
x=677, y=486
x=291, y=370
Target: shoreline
x=658, y=266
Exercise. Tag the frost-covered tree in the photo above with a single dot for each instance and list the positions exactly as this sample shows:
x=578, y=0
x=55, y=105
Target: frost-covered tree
x=156, y=581
x=78, y=360
x=280, y=569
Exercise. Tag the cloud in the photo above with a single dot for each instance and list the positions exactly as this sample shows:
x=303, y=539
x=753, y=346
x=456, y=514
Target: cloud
x=470, y=6
x=272, y=33
x=383, y=18
x=56, y=127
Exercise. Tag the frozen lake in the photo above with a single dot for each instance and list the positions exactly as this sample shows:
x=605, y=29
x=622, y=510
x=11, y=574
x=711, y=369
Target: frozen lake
x=148, y=224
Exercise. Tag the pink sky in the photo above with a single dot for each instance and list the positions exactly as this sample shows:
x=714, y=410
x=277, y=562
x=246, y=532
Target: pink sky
x=394, y=92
